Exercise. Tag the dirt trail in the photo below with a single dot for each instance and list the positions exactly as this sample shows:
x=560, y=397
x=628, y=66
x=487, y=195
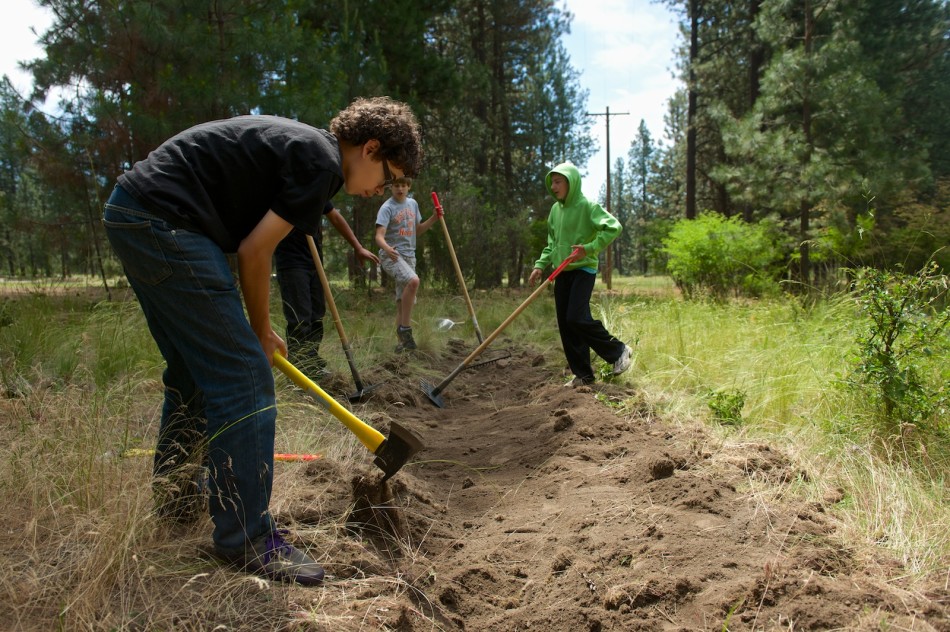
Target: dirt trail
x=536, y=506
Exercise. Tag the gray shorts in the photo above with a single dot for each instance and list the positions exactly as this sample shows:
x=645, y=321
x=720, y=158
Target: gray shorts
x=402, y=270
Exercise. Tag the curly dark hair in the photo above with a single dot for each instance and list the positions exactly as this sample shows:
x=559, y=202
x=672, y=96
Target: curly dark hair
x=390, y=122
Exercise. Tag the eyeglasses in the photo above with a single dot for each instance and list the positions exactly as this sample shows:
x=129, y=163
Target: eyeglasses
x=387, y=174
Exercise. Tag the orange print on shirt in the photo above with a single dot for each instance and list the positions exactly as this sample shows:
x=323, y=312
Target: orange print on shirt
x=406, y=217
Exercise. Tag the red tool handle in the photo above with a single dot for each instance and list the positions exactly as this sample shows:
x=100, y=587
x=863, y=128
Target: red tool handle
x=564, y=263
x=438, y=207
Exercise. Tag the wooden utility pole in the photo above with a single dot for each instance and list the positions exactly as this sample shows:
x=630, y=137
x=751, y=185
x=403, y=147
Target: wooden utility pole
x=607, y=114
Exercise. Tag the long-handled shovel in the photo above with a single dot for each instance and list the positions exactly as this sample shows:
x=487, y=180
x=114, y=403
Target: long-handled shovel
x=458, y=270
x=362, y=390
x=391, y=452
x=434, y=394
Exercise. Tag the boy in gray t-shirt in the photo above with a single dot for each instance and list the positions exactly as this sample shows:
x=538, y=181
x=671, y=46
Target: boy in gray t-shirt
x=397, y=225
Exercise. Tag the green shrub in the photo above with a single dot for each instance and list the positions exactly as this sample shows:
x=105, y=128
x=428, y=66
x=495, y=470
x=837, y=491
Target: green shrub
x=6, y=313
x=906, y=322
x=719, y=256
x=726, y=406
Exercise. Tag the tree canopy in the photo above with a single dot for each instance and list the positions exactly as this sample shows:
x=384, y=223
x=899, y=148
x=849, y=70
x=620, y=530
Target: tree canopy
x=828, y=120
x=490, y=81
x=828, y=117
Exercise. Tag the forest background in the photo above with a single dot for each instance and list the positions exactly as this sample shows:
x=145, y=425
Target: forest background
x=807, y=149
x=824, y=124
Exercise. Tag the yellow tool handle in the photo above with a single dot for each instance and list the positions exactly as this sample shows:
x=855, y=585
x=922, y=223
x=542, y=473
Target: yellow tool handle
x=368, y=436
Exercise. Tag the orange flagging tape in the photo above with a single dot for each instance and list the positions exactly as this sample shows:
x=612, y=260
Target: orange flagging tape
x=278, y=456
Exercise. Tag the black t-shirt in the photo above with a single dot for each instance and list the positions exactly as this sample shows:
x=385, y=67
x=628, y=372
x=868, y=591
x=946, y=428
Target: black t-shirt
x=220, y=178
x=293, y=251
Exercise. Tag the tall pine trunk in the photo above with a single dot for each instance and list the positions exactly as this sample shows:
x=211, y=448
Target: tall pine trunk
x=694, y=7
x=805, y=205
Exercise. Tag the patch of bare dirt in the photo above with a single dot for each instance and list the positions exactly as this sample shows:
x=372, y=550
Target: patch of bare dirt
x=540, y=507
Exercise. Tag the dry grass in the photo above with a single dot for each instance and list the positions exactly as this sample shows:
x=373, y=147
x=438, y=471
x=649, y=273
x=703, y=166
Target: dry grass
x=82, y=549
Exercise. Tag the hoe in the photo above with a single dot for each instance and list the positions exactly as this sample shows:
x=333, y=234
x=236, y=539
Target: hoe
x=391, y=452
x=434, y=393
x=362, y=391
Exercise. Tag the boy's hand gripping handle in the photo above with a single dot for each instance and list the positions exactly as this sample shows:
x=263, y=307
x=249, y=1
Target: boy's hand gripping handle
x=564, y=263
x=368, y=436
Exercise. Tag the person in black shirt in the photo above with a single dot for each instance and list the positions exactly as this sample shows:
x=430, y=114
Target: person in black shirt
x=301, y=292
x=238, y=185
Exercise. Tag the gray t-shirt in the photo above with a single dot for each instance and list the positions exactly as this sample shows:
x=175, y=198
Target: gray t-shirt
x=401, y=220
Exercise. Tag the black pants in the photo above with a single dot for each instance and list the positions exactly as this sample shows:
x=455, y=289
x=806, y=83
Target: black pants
x=304, y=307
x=579, y=331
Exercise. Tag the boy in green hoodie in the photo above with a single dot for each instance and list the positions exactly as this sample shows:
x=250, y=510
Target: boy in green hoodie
x=575, y=222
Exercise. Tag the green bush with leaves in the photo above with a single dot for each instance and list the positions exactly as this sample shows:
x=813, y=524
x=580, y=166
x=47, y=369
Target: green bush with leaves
x=719, y=256
x=726, y=406
x=905, y=333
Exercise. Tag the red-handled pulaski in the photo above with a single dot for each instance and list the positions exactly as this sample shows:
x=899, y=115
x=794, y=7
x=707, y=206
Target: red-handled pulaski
x=455, y=263
x=434, y=393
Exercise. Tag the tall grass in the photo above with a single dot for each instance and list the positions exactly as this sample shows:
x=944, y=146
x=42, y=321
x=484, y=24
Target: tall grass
x=81, y=382
x=789, y=362
x=783, y=358
x=81, y=548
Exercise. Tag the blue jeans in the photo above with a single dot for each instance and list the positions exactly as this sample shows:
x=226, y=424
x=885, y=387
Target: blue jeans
x=216, y=367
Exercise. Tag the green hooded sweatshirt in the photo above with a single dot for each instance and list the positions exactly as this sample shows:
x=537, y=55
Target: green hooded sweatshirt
x=576, y=221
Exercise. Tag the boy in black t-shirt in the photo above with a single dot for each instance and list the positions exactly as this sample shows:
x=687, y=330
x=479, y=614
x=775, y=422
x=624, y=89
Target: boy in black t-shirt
x=237, y=185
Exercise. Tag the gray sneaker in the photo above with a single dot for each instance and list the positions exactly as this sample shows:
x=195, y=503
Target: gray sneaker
x=624, y=361
x=579, y=381
x=273, y=557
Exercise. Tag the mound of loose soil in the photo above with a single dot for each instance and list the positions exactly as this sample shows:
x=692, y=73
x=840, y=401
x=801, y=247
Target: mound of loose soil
x=540, y=507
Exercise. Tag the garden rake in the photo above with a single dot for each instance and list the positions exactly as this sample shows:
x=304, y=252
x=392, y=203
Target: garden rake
x=434, y=393
x=461, y=280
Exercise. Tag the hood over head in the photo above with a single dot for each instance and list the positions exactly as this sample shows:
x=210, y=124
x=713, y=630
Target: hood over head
x=569, y=171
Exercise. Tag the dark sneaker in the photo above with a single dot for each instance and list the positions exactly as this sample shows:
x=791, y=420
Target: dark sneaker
x=624, y=361
x=319, y=366
x=406, y=342
x=310, y=364
x=579, y=381
x=273, y=557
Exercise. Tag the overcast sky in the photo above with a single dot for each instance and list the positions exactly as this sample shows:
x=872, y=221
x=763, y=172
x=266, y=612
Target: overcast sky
x=623, y=49
x=16, y=41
